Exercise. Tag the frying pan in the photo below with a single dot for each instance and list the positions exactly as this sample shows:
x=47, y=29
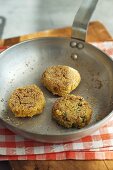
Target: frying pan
x=25, y=62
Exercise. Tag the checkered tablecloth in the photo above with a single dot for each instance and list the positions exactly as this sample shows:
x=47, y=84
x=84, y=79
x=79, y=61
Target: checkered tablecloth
x=99, y=145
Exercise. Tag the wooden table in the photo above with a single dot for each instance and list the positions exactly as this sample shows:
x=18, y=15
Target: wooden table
x=96, y=33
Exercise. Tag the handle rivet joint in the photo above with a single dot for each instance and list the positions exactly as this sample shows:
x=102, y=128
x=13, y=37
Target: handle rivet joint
x=73, y=44
x=74, y=56
x=79, y=45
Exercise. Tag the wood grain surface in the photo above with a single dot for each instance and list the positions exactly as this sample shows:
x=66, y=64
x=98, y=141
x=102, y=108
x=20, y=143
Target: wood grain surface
x=96, y=33
x=59, y=165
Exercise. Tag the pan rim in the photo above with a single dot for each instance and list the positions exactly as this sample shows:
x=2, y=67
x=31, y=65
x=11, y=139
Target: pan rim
x=83, y=130
x=51, y=38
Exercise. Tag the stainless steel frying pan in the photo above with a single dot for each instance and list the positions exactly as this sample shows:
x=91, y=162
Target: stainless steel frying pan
x=25, y=62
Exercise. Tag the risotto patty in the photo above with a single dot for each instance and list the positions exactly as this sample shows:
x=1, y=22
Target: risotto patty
x=72, y=111
x=27, y=101
x=61, y=80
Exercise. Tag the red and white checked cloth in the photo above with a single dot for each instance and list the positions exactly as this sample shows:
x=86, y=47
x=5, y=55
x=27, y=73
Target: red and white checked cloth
x=99, y=145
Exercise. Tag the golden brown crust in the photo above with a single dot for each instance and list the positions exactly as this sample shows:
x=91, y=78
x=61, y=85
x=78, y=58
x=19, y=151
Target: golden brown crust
x=27, y=101
x=61, y=80
x=72, y=111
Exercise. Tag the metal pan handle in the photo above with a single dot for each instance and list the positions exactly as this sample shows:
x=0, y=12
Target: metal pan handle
x=81, y=20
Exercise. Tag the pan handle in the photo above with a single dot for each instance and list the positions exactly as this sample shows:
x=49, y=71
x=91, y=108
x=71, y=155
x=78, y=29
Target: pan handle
x=81, y=20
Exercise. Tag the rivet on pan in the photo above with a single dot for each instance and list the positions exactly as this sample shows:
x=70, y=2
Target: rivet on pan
x=74, y=56
x=79, y=45
x=73, y=44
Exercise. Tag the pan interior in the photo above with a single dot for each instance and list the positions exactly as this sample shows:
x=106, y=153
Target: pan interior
x=24, y=64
